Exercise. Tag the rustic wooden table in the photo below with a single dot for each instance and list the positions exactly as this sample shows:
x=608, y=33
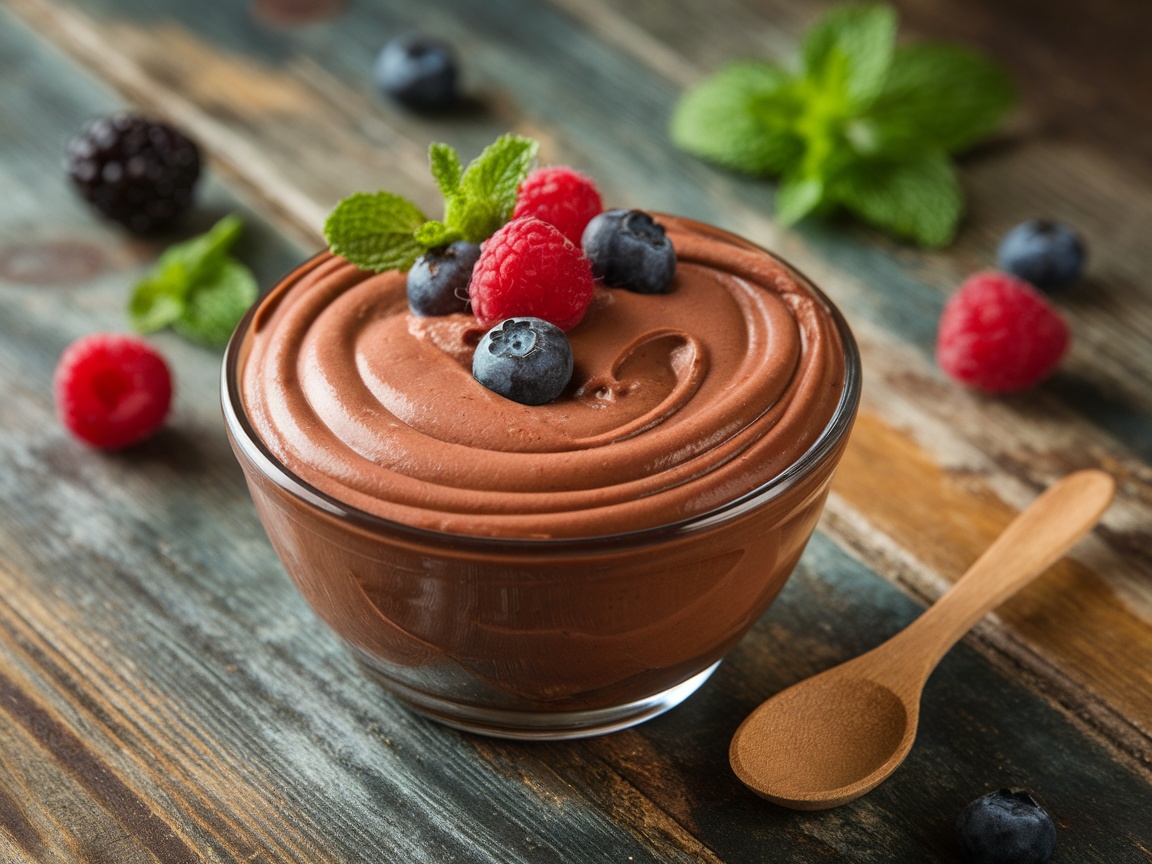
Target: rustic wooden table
x=166, y=696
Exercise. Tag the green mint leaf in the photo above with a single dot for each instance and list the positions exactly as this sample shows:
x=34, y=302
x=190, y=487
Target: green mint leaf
x=488, y=187
x=160, y=299
x=742, y=118
x=375, y=231
x=216, y=303
x=918, y=198
x=432, y=234
x=797, y=197
x=944, y=95
x=846, y=56
x=446, y=168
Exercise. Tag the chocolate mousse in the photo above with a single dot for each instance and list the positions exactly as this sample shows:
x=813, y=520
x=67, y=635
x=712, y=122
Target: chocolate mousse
x=524, y=569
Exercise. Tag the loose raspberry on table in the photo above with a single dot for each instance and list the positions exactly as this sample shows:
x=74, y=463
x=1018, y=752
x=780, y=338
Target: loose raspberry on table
x=999, y=334
x=561, y=197
x=529, y=269
x=112, y=390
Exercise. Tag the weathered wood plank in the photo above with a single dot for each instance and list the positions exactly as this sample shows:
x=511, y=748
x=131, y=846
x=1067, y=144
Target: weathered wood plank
x=1097, y=411
x=158, y=630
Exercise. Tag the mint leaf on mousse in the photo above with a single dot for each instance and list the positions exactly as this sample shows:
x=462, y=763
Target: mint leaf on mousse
x=858, y=124
x=382, y=231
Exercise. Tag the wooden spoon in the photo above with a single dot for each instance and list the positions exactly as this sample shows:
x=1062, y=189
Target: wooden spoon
x=831, y=738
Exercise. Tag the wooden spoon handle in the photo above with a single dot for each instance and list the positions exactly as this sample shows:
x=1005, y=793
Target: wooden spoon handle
x=1033, y=541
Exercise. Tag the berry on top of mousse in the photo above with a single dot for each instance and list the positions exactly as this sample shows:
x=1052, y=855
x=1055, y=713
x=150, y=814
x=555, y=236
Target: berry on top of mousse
x=628, y=249
x=527, y=360
x=998, y=334
x=561, y=197
x=138, y=172
x=528, y=268
x=1005, y=827
x=112, y=390
x=1048, y=254
x=438, y=281
x=418, y=71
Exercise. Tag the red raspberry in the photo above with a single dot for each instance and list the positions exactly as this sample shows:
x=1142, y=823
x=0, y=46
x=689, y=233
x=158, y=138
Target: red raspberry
x=561, y=197
x=112, y=390
x=999, y=334
x=529, y=269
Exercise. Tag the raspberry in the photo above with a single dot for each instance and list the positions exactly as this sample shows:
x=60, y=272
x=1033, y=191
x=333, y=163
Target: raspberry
x=561, y=197
x=112, y=390
x=135, y=171
x=529, y=269
x=999, y=334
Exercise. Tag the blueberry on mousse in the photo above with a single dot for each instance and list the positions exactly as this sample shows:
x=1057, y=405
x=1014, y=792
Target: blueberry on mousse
x=1005, y=827
x=1047, y=254
x=628, y=249
x=527, y=360
x=418, y=71
x=438, y=281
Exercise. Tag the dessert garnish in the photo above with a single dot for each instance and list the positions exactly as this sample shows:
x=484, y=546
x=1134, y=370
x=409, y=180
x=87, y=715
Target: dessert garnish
x=630, y=250
x=528, y=268
x=999, y=334
x=527, y=360
x=382, y=231
x=196, y=287
x=135, y=171
x=1048, y=254
x=112, y=390
x=418, y=71
x=859, y=124
x=438, y=281
x=561, y=197
x=1005, y=827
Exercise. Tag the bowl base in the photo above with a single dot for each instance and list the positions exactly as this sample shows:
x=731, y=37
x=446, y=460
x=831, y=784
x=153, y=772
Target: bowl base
x=534, y=725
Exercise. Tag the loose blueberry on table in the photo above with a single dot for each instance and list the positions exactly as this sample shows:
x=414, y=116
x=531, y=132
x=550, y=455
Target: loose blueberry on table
x=418, y=71
x=1047, y=254
x=1005, y=827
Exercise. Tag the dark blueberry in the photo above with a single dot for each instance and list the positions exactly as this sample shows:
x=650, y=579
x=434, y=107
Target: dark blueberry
x=418, y=71
x=629, y=250
x=527, y=360
x=438, y=281
x=1005, y=827
x=138, y=172
x=1047, y=254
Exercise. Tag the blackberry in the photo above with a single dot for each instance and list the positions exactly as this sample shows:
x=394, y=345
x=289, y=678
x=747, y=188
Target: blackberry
x=134, y=171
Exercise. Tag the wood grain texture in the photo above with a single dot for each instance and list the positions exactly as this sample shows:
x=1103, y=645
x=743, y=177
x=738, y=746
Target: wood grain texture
x=165, y=692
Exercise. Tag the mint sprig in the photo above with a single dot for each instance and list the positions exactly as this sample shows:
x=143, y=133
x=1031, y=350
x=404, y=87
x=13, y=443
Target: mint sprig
x=383, y=231
x=860, y=123
x=196, y=287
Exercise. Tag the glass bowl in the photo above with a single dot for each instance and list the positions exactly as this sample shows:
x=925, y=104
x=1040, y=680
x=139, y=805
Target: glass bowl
x=540, y=638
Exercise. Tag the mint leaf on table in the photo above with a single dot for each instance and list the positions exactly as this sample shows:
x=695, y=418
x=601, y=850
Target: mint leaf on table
x=196, y=287
x=859, y=124
x=382, y=231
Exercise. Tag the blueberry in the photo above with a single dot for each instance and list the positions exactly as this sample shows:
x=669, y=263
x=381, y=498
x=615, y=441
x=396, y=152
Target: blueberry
x=527, y=360
x=438, y=281
x=1005, y=827
x=418, y=71
x=629, y=250
x=1045, y=253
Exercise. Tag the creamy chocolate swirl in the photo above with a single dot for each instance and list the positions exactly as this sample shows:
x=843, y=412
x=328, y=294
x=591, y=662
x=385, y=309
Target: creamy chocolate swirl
x=679, y=404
